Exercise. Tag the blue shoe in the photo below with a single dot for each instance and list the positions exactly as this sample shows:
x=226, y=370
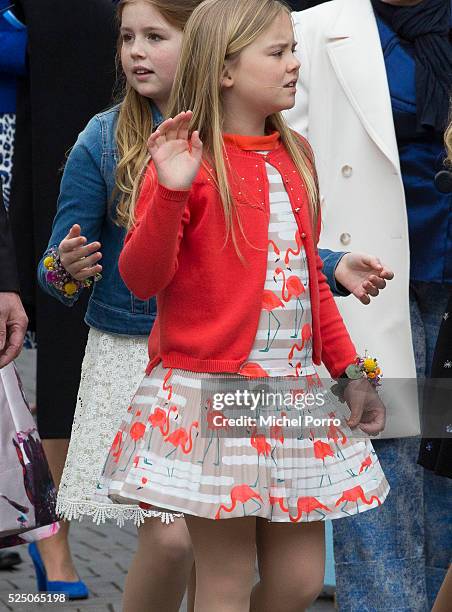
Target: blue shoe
x=73, y=590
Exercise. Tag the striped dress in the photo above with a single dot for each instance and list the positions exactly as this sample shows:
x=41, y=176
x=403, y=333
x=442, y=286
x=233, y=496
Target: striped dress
x=176, y=450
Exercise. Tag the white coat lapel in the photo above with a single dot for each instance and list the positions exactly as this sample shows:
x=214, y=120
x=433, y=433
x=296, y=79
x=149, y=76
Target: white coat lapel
x=354, y=48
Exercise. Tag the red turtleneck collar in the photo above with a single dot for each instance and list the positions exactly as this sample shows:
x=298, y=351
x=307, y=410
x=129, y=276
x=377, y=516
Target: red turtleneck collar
x=253, y=143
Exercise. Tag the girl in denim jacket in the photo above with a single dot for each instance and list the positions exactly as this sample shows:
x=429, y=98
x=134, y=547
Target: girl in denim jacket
x=93, y=210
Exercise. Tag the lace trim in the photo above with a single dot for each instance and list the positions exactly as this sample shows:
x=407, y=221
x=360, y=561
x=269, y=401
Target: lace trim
x=69, y=510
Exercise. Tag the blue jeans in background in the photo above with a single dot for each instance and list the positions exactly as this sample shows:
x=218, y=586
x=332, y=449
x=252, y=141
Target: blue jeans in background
x=394, y=558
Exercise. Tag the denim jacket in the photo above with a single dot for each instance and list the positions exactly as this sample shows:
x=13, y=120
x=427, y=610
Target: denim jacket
x=86, y=198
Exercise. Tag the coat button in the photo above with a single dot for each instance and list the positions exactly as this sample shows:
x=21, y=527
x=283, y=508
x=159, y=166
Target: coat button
x=345, y=238
x=347, y=171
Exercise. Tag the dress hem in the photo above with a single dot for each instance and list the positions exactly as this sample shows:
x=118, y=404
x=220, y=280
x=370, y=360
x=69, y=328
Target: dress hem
x=69, y=509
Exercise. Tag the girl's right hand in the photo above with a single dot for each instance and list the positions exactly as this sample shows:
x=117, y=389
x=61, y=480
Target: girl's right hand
x=177, y=158
x=78, y=260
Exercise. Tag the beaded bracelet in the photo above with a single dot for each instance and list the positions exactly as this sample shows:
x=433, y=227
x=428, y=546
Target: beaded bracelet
x=57, y=275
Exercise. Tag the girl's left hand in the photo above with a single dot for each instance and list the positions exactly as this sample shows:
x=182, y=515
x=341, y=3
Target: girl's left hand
x=363, y=275
x=367, y=410
x=176, y=155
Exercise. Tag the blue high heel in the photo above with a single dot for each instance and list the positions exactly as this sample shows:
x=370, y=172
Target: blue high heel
x=73, y=590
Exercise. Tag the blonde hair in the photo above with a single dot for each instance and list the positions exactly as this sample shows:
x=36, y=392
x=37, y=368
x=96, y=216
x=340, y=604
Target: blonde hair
x=135, y=125
x=219, y=30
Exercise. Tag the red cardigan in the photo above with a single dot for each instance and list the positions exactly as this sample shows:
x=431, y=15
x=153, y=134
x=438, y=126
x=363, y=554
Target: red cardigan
x=208, y=301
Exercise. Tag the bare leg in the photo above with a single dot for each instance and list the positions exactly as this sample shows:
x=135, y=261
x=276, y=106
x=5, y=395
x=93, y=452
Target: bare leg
x=55, y=551
x=191, y=590
x=160, y=570
x=444, y=597
x=225, y=553
x=291, y=560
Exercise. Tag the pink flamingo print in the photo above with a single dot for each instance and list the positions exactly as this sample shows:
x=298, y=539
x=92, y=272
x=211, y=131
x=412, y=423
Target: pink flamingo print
x=276, y=431
x=277, y=434
x=335, y=434
x=313, y=381
x=116, y=449
x=241, y=494
x=253, y=370
x=182, y=438
x=259, y=442
x=270, y=301
x=306, y=334
x=298, y=368
x=353, y=495
x=308, y=505
x=275, y=249
x=294, y=288
x=136, y=433
x=166, y=386
x=365, y=465
x=321, y=451
x=278, y=501
x=290, y=250
x=213, y=428
x=160, y=419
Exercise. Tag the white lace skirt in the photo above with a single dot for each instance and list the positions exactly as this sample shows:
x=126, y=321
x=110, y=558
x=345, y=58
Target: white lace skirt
x=112, y=369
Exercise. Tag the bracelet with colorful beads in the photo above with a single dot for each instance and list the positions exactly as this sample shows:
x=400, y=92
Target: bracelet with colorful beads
x=57, y=275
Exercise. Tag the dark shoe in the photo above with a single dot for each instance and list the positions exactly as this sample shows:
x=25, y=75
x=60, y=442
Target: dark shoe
x=9, y=559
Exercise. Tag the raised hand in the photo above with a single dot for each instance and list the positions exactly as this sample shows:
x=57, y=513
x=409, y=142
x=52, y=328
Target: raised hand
x=77, y=257
x=363, y=275
x=176, y=156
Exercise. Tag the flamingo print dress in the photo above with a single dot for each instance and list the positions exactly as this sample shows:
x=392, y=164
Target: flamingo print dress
x=170, y=453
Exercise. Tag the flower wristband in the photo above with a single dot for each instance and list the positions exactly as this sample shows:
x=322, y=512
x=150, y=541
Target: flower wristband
x=363, y=367
x=58, y=276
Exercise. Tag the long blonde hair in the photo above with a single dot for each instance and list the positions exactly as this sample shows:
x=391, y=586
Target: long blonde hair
x=135, y=123
x=219, y=30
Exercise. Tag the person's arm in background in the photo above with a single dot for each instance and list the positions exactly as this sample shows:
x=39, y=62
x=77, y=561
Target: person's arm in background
x=13, y=320
x=359, y=274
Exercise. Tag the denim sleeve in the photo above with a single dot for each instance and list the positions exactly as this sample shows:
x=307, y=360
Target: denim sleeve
x=330, y=261
x=83, y=199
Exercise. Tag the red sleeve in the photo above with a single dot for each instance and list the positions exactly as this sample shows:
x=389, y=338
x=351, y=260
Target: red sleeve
x=148, y=260
x=338, y=350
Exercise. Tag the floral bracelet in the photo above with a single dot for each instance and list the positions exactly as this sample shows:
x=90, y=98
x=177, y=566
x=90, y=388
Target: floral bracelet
x=370, y=369
x=57, y=275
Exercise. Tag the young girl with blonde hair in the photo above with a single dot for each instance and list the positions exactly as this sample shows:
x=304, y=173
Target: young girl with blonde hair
x=225, y=235
x=93, y=209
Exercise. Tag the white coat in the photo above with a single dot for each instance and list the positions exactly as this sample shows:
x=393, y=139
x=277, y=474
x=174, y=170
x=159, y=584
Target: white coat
x=343, y=106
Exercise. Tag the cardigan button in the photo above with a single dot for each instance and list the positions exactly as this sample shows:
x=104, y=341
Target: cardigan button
x=345, y=238
x=303, y=235
x=297, y=209
x=347, y=171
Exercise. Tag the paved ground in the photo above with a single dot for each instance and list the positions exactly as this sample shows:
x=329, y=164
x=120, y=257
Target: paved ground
x=96, y=551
